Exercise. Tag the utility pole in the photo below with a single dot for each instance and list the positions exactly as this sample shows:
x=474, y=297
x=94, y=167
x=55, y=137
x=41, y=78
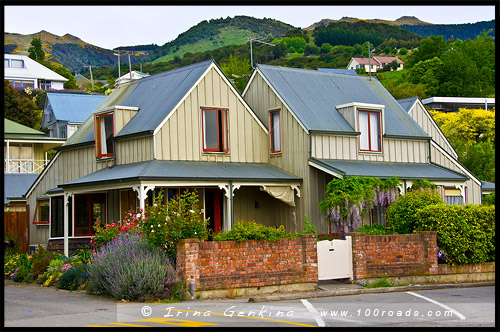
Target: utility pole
x=91, y=79
x=118, y=55
x=251, y=52
x=129, y=67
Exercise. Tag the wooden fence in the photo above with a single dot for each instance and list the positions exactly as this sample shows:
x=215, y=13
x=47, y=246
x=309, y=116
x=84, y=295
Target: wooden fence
x=16, y=225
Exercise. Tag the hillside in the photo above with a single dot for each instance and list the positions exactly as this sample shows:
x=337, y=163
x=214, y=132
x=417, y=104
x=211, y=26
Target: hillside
x=69, y=51
x=213, y=34
x=403, y=20
x=457, y=31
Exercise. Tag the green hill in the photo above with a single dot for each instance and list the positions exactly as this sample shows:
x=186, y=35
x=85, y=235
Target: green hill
x=213, y=34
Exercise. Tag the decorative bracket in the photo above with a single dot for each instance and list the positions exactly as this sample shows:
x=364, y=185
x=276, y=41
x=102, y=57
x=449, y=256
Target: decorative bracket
x=297, y=189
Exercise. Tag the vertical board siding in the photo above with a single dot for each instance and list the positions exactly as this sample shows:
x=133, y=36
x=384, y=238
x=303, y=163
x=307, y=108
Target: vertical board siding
x=346, y=148
x=180, y=138
x=134, y=150
x=295, y=150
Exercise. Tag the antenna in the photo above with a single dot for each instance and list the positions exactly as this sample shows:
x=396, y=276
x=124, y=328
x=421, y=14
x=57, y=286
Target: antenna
x=118, y=55
x=258, y=40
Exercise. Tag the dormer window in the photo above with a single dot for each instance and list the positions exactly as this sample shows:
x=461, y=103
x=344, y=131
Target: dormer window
x=104, y=135
x=370, y=139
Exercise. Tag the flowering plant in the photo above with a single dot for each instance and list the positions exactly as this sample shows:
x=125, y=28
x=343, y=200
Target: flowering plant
x=107, y=232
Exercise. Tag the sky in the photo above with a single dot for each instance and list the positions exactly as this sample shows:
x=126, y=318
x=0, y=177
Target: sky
x=113, y=26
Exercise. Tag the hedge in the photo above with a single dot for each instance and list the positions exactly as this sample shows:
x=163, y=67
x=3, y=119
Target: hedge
x=466, y=234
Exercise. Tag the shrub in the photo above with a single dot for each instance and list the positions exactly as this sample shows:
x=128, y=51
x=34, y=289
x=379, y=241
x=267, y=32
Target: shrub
x=466, y=234
x=53, y=271
x=250, y=230
x=130, y=268
x=401, y=214
x=73, y=278
x=40, y=261
x=107, y=232
x=22, y=273
x=489, y=199
x=374, y=229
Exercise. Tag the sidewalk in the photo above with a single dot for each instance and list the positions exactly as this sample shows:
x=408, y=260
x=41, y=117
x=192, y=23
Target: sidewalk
x=339, y=288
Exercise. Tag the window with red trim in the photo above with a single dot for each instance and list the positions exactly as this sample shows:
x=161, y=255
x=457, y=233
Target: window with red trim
x=104, y=135
x=41, y=212
x=370, y=139
x=275, y=125
x=215, y=131
x=89, y=209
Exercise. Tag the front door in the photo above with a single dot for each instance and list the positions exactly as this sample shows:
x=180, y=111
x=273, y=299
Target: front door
x=214, y=208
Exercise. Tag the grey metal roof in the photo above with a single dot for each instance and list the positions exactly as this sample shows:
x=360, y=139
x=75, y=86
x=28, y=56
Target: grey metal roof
x=339, y=71
x=16, y=184
x=488, y=185
x=404, y=171
x=165, y=170
x=313, y=96
x=73, y=107
x=155, y=96
x=407, y=103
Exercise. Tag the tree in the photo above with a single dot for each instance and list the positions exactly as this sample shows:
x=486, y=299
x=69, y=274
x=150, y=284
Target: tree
x=429, y=48
x=63, y=71
x=20, y=108
x=237, y=71
x=36, y=51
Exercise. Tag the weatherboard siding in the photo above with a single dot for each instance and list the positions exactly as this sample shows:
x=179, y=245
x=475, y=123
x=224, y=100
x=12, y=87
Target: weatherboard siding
x=180, y=138
x=345, y=147
x=69, y=165
x=294, y=149
x=445, y=160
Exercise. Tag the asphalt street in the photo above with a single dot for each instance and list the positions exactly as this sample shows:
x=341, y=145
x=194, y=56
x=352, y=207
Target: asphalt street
x=38, y=306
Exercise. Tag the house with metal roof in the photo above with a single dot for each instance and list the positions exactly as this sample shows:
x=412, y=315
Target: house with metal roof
x=130, y=76
x=374, y=63
x=63, y=113
x=327, y=125
x=179, y=129
x=22, y=71
x=453, y=104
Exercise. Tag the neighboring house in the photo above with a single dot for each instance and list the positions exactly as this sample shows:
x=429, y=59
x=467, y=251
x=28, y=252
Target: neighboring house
x=184, y=128
x=452, y=104
x=339, y=71
x=25, y=149
x=22, y=71
x=326, y=125
x=488, y=187
x=136, y=75
x=63, y=113
x=15, y=186
x=441, y=149
x=374, y=63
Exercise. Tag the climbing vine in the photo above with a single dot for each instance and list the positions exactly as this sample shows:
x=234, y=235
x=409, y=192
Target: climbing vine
x=347, y=200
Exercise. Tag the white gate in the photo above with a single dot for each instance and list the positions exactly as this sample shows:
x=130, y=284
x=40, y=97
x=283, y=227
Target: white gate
x=335, y=259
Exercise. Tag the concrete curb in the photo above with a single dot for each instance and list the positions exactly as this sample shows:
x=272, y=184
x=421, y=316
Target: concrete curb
x=345, y=291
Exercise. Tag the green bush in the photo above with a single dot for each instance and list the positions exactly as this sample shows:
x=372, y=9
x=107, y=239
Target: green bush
x=374, y=229
x=73, y=278
x=401, y=214
x=250, y=230
x=489, y=199
x=466, y=234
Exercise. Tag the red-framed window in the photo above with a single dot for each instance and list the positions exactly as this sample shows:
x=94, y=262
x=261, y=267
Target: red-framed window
x=275, y=125
x=104, y=135
x=215, y=129
x=369, y=124
x=89, y=209
x=41, y=216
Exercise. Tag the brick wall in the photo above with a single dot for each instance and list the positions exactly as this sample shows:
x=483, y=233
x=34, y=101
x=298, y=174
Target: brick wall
x=230, y=264
x=394, y=255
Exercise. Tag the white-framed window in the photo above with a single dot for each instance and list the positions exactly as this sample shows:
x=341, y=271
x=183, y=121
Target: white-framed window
x=370, y=139
x=275, y=125
x=215, y=129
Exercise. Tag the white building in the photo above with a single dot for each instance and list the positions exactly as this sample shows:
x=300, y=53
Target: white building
x=22, y=71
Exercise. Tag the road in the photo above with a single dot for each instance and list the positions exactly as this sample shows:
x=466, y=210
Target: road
x=36, y=306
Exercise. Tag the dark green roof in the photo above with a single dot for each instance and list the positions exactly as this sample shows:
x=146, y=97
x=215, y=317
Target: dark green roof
x=404, y=171
x=167, y=170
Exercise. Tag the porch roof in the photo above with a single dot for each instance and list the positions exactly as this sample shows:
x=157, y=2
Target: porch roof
x=167, y=170
x=404, y=171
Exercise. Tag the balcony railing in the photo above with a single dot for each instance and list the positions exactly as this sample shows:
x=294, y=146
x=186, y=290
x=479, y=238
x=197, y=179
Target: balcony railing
x=24, y=166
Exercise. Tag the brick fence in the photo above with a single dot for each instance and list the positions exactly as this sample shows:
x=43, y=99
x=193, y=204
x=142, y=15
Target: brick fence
x=230, y=264
x=394, y=255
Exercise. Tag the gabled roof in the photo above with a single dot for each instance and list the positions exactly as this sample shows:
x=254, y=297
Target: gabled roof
x=313, y=96
x=388, y=59
x=339, y=71
x=32, y=69
x=14, y=129
x=16, y=185
x=488, y=185
x=155, y=97
x=377, y=60
x=73, y=107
